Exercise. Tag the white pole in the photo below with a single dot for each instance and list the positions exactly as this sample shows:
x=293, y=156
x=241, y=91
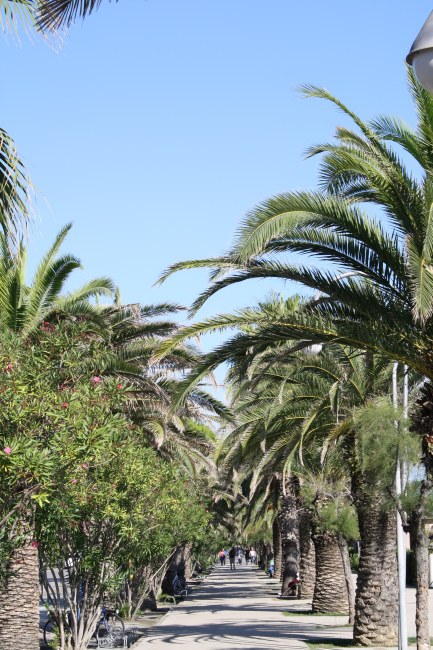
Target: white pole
x=404, y=466
x=401, y=546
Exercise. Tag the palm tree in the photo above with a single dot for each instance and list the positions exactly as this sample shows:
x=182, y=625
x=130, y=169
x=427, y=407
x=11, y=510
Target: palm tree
x=55, y=14
x=376, y=290
x=46, y=15
x=24, y=308
x=15, y=191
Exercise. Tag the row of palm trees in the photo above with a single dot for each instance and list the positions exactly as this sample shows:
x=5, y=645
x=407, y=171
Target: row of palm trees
x=370, y=227
x=314, y=440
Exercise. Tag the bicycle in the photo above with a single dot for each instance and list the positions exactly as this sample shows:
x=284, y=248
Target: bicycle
x=179, y=587
x=109, y=627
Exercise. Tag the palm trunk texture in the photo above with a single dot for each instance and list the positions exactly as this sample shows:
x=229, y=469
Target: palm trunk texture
x=422, y=580
x=276, y=548
x=19, y=602
x=186, y=556
x=330, y=591
x=289, y=525
x=376, y=602
x=344, y=551
x=422, y=424
x=308, y=556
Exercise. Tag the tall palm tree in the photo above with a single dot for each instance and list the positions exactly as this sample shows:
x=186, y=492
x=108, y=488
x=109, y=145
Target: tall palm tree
x=376, y=277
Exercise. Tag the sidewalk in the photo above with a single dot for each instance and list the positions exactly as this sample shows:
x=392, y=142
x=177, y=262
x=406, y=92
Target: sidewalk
x=236, y=610
x=239, y=611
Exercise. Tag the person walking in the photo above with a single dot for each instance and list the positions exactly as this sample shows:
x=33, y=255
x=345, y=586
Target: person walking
x=222, y=557
x=232, y=557
x=253, y=555
x=247, y=555
x=239, y=554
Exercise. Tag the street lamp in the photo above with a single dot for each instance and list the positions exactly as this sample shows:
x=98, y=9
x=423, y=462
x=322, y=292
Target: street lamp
x=420, y=56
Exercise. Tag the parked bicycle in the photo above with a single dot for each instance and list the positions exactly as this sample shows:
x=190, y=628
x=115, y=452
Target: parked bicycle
x=110, y=626
x=179, y=586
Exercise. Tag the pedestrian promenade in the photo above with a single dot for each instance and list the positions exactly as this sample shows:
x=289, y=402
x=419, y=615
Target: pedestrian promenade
x=238, y=610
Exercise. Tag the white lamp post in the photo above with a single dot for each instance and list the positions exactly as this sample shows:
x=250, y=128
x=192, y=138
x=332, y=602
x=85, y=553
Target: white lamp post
x=420, y=56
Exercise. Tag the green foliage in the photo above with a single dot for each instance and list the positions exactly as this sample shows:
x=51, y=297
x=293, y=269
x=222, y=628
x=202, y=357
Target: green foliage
x=75, y=476
x=330, y=505
x=336, y=518
x=46, y=402
x=382, y=437
x=354, y=560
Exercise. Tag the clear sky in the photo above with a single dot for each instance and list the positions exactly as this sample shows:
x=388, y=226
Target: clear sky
x=158, y=123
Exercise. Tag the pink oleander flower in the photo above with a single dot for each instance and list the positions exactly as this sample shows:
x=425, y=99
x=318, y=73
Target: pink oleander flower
x=35, y=544
x=74, y=480
x=7, y=451
x=8, y=368
x=85, y=466
x=119, y=386
x=65, y=405
x=96, y=380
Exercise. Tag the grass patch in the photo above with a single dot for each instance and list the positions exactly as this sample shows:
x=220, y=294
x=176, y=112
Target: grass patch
x=336, y=644
x=412, y=640
x=309, y=612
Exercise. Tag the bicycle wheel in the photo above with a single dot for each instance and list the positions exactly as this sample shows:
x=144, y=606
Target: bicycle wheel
x=50, y=633
x=111, y=625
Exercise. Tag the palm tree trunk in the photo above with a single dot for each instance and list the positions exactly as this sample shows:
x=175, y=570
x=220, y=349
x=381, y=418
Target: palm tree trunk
x=19, y=602
x=289, y=525
x=173, y=569
x=308, y=556
x=376, y=601
x=276, y=547
x=330, y=591
x=422, y=424
x=186, y=556
x=421, y=548
x=342, y=543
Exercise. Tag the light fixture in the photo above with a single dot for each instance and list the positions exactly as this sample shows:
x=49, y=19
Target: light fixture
x=420, y=56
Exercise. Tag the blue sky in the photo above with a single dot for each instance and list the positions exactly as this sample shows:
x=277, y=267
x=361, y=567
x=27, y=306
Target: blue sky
x=159, y=123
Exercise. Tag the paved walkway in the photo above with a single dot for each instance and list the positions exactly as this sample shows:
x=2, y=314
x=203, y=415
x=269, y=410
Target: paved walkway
x=237, y=610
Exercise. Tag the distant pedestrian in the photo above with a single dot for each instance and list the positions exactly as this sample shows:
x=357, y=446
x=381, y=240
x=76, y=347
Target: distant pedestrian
x=232, y=557
x=271, y=566
x=239, y=554
x=253, y=555
x=222, y=557
x=247, y=555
